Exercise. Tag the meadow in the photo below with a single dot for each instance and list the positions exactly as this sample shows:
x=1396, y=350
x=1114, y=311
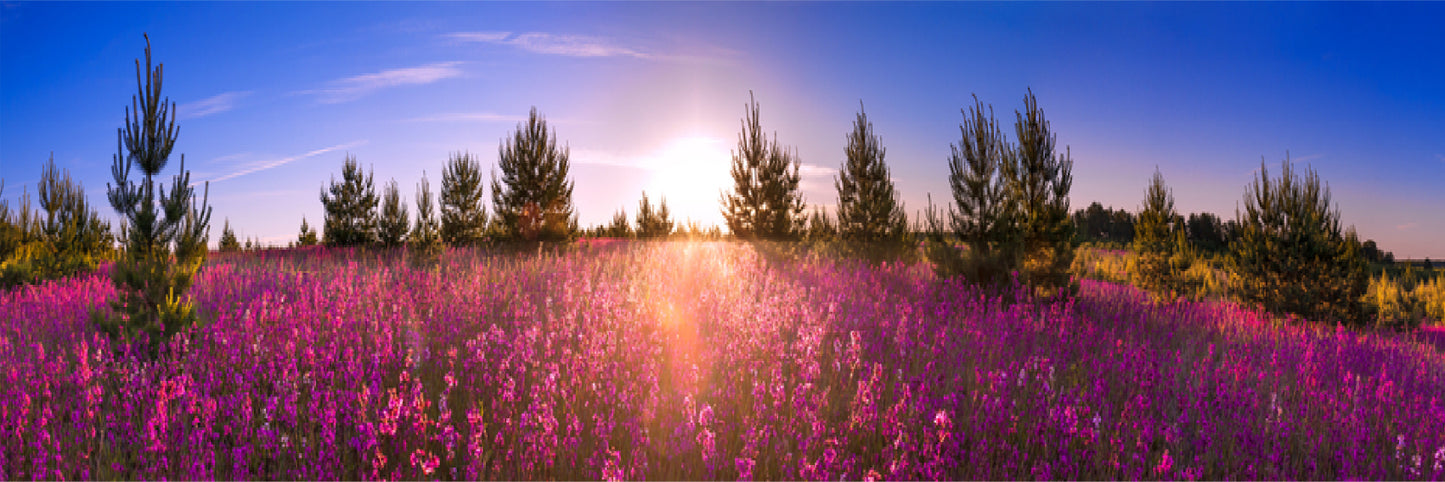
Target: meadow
x=693, y=360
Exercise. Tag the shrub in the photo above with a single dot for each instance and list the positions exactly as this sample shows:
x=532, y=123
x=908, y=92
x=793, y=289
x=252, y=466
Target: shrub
x=1393, y=305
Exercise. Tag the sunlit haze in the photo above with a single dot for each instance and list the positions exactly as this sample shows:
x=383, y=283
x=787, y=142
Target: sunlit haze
x=648, y=97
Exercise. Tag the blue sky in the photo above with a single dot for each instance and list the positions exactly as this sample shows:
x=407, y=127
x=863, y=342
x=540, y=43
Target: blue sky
x=649, y=96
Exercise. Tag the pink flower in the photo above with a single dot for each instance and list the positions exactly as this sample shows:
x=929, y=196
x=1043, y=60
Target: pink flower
x=1165, y=464
x=612, y=469
x=745, y=468
x=424, y=460
x=704, y=416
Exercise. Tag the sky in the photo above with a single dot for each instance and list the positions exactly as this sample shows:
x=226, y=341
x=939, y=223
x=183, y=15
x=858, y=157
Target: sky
x=649, y=97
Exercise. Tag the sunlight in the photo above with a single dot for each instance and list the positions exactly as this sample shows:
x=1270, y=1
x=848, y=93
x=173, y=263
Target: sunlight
x=690, y=172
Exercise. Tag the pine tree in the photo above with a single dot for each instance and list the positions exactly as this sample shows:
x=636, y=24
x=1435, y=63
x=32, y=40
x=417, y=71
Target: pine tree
x=765, y=202
x=350, y=208
x=74, y=236
x=165, y=240
x=464, y=218
x=653, y=222
x=18, y=229
x=533, y=199
x=1206, y=231
x=620, y=227
x=424, y=243
x=1290, y=255
x=392, y=226
x=228, y=243
x=1038, y=184
x=307, y=236
x=868, y=207
x=820, y=227
x=1160, y=244
x=10, y=230
x=983, y=215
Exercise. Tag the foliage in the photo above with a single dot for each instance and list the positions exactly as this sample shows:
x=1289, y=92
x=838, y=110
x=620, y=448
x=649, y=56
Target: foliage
x=672, y=360
x=307, y=236
x=1372, y=252
x=691, y=230
x=69, y=239
x=424, y=243
x=820, y=227
x=765, y=203
x=464, y=217
x=1108, y=265
x=1291, y=256
x=868, y=207
x=228, y=243
x=1392, y=305
x=1205, y=279
x=392, y=226
x=653, y=222
x=1206, y=232
x=1406, y=300
x=1097, y=224
x=350, y=208
x=1159, y=241
x=165, y=232
x=533, y=200
x=620, y=227
x=19, y=228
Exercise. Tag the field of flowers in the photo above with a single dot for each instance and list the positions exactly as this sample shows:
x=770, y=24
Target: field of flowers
x=698, y=361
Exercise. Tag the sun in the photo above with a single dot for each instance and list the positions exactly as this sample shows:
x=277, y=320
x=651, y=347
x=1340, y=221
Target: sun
x=691, y=172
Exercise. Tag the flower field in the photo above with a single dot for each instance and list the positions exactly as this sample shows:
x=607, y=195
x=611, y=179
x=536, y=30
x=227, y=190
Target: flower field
x=697, y=361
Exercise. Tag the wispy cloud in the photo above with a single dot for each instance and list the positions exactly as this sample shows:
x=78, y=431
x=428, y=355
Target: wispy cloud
x=1441, y=157
x=210, y=105
x=469, y=117
x=254, y=167
x=352, y=88
x=253, y=195
x=1407, y=226
x=605, y=158
x=495, y=37
x=816, y=170
x=552, y=44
